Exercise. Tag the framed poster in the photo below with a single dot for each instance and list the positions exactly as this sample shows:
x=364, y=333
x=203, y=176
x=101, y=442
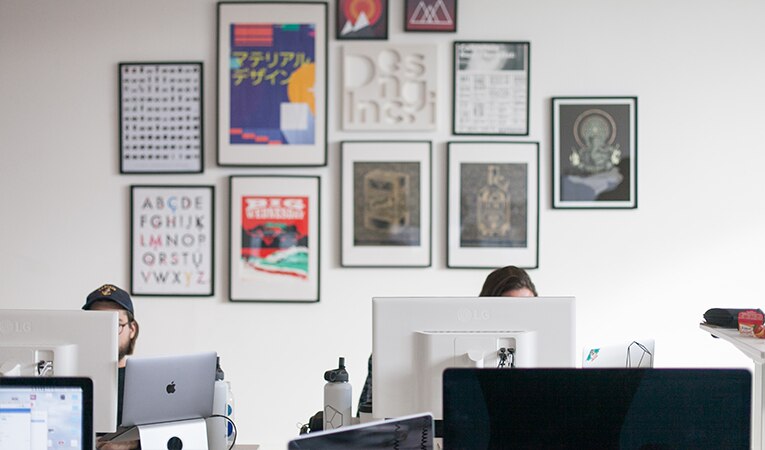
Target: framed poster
x=272, y=83
x=161, y=126
x=594, y=152
x=172, y=237
x=390, y=87
x=430, y=15
x=386, y=203
x=362, y=19
x=493, y=204
x=491, y=88
x=274, y=239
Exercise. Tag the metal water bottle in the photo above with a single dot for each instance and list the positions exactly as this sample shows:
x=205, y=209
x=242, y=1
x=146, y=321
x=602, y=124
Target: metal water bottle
x=337, y=397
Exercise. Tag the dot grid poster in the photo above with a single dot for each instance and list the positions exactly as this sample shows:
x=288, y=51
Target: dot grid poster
x=161, y=124
x=172, y=240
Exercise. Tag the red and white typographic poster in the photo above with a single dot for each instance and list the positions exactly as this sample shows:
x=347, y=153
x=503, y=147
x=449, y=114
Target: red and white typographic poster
x=274, y=238
x=275, y=235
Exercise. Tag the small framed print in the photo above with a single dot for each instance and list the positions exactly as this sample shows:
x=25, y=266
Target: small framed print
x=386, y=204
x=161, y=126
x=594, y=152
x=430, y=15
x=172, y=240
x=493, y=204
x=272, y=83
x=362, y=19
x=274, y=239
x=491, y=88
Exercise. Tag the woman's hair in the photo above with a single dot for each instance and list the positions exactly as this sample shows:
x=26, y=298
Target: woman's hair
x=505, y=279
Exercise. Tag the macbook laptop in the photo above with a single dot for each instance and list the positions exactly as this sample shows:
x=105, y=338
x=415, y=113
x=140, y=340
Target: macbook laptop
x=169, y=388
x=46, y=413
x=413, y=432
x=628, y=354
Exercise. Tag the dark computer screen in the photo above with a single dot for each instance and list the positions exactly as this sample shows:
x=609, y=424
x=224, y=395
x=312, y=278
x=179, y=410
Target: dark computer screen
x=631, y=409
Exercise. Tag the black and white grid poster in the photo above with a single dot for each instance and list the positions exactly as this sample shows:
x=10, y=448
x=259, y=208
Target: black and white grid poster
x=161, y=118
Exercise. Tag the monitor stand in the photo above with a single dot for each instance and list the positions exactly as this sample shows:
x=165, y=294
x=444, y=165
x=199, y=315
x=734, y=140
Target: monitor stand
x=754, y=348
x=181, y=435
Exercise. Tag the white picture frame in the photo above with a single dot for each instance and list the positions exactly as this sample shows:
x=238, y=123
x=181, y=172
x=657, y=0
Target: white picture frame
x=493, y=204
x=386, y=203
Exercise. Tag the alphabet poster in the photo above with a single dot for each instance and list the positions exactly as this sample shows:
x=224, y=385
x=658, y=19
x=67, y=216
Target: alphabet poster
x=172, y=240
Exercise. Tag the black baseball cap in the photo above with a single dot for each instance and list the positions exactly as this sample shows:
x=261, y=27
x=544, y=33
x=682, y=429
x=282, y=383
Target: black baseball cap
x=111, y=293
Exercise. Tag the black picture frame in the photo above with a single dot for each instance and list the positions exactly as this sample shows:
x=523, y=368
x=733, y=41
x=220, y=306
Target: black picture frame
x=599, y=171
x=161, y=117
x=478, y=109
x=301, y=123
x=172, y=240
x=486, y=226
x=377, y=30
x=267, y=208
x=386, y=204
x=430, y=16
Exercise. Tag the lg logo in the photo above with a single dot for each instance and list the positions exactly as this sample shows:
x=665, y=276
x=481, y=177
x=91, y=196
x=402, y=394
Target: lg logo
x=469, y=315
x=9, y=326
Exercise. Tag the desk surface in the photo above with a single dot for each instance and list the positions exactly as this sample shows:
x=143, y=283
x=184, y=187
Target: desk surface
x=246, y=447
x=751, y=346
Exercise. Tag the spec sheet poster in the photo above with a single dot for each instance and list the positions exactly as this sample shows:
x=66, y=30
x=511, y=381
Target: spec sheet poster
x=172, y=240
x=491, y=88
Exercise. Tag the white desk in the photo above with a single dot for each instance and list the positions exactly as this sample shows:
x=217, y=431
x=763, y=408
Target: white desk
x=755, y=349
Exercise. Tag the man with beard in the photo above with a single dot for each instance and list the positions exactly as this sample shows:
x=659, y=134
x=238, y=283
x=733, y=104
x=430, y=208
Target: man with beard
x=111, y=298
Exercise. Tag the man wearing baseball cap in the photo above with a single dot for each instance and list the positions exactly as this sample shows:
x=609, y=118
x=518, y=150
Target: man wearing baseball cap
x=111, y=298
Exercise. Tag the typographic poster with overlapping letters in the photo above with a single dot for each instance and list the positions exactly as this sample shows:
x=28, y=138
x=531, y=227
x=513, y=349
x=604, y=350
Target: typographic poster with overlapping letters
x=172, y=240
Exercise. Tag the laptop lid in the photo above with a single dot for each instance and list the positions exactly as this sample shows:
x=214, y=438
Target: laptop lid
x=168, y=388
x=597, y=408
x=627, y=354
x=404, y=433
x=46, y=412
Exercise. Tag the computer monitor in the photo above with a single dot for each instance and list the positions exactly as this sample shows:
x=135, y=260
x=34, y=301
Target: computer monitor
x=416, y=338
x=630, y=409
x=46, y=412
x=65, y=343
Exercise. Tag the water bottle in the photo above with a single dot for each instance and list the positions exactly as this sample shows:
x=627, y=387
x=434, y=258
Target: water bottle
x=221, y=435
x=337, y=397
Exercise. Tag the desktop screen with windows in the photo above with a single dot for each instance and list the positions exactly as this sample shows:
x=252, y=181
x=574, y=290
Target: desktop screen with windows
x=41, y=418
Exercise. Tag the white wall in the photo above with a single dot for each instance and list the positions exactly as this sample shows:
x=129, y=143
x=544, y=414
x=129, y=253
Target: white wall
x=694, y=242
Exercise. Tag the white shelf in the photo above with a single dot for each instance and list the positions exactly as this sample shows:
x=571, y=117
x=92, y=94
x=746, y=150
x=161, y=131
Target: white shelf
x=750, y=346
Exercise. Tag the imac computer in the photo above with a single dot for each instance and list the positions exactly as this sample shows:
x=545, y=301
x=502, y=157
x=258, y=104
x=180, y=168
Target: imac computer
x=416, y=338
x=39, y=343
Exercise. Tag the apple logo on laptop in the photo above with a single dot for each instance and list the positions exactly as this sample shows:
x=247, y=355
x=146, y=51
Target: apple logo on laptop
x=171, y=388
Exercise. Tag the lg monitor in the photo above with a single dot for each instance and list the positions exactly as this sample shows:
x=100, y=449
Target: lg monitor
x=416, y=338
x=628, y=409
x=41, y=343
